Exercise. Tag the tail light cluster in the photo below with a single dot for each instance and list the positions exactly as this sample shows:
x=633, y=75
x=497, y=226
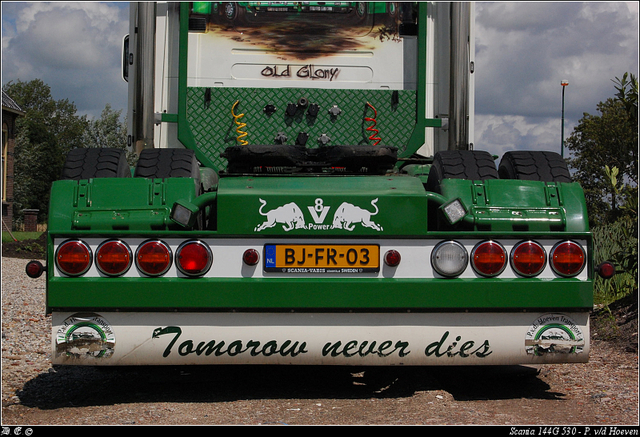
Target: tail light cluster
x=490, y=258
x=194, y=258
x=152, y=258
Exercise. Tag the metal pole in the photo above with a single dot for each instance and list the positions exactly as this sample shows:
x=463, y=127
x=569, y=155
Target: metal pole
x=564, y=83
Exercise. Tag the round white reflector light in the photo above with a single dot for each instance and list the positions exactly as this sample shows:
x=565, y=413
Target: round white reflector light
x=449, y=258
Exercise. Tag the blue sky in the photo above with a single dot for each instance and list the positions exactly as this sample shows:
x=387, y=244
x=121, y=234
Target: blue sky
x=523, y=51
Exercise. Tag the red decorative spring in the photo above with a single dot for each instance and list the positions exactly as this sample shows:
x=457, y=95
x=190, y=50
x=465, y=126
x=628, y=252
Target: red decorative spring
x=372, y=128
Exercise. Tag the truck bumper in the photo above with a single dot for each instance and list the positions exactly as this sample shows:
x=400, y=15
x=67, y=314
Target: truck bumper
x=306, y=338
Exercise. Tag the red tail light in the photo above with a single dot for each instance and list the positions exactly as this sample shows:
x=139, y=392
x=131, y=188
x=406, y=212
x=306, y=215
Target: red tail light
x=113, y=258
x=194, y=258
x=488, y=258
x=73, y=257
x=251, y=257
x=392, y=258
x=153, y=258
x=567, y=258
x=528, y=258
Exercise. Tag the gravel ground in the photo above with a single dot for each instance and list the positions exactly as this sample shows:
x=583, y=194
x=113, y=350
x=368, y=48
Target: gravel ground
x=601, y=392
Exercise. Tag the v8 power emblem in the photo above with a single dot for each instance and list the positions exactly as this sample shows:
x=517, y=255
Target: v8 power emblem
x=346, y=216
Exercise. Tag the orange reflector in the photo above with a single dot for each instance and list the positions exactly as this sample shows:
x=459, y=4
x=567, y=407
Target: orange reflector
x=153, y=258
x=528, y=258
x=567, y=258
x=488, y=258
x=73, y=257
x=113, y=258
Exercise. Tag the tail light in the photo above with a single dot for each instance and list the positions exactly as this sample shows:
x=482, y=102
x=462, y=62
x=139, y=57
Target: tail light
x=194, y=258
x=153, y=258
x=528, y=258
x=113, y=258
x=449, y=258
x=73, y=257
x=251, y=257
x=567, y=258
x=488, y=258
x=392, y=258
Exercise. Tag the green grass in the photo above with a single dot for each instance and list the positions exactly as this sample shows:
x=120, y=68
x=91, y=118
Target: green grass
x=20, y=236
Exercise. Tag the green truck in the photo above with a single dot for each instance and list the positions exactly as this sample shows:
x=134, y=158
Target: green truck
x=307, y=192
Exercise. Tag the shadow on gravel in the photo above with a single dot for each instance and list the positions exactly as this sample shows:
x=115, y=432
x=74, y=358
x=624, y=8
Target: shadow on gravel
x=88, y=386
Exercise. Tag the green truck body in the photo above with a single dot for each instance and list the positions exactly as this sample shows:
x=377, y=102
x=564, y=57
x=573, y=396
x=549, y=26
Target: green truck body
x=340, y=233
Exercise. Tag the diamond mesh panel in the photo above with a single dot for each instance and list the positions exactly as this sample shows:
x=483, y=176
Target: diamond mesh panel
x=214, y=127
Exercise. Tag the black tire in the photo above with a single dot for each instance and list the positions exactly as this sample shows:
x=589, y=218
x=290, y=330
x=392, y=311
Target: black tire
x=171, y=163
x=534, y=166
x=95, y=162
x=167, y=163
x=460, y=164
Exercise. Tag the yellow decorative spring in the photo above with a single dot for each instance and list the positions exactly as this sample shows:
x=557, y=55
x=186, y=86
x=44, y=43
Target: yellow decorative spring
x=241, y=133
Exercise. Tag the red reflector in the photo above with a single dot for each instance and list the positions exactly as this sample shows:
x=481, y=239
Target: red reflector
x=606, y=270
x=73, y=257
x=194, y=258
x=528, y=258
x=567, y=258
x=251, y=257
x=392, y=258
x=488, y=258
x=113, y=258
x=153, y=258
x=34, y=269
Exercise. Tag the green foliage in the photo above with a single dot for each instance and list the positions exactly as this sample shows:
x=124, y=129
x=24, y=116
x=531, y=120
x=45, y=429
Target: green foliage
x=49, y=129
x=616, y=243
x=47, y=132
x=609, y=137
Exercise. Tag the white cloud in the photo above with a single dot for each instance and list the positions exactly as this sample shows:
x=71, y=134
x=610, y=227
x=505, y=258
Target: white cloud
x=73, y=47
x=524, y=50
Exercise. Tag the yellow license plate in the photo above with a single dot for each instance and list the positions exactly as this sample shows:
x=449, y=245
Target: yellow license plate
x=321, y=258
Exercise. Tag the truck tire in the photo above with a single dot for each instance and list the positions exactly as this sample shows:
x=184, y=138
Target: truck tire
x=460, y=164
x=95, y=162
x=534, y=166
x=167, y=163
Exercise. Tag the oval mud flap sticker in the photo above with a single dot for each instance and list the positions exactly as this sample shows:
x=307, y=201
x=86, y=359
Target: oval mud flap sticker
x=85, y=336
x=554, y=334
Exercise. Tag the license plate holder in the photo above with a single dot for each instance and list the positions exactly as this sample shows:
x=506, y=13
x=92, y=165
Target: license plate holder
x=322, y=258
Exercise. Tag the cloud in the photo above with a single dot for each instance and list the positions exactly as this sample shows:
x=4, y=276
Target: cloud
x=75, y=48
x=524, y=50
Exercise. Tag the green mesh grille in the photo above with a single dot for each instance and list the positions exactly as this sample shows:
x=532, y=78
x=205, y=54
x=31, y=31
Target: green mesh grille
x=213, y=127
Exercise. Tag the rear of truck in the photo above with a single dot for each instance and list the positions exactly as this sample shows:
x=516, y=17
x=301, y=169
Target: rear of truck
x=307, y=193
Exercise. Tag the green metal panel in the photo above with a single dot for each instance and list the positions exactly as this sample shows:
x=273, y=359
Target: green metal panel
x=520, y=205
x=318, y=293
x=123, y=204
x=214, y=128
x=400, y=209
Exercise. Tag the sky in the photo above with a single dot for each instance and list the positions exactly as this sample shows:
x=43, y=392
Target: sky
x=523, y=51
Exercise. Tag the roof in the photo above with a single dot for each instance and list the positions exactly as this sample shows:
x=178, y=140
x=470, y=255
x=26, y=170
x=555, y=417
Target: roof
x=9, y=104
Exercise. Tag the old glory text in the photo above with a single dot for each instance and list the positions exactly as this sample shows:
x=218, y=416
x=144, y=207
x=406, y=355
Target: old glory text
x=304, y=72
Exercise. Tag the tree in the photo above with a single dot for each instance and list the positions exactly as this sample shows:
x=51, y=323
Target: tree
x=108, y=131
x=49, y=129
x=608, y=138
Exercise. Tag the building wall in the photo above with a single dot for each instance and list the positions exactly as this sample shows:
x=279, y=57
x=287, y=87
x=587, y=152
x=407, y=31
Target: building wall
x=8, y=146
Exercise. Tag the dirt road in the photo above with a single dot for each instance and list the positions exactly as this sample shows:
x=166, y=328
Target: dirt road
x=601, y=392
